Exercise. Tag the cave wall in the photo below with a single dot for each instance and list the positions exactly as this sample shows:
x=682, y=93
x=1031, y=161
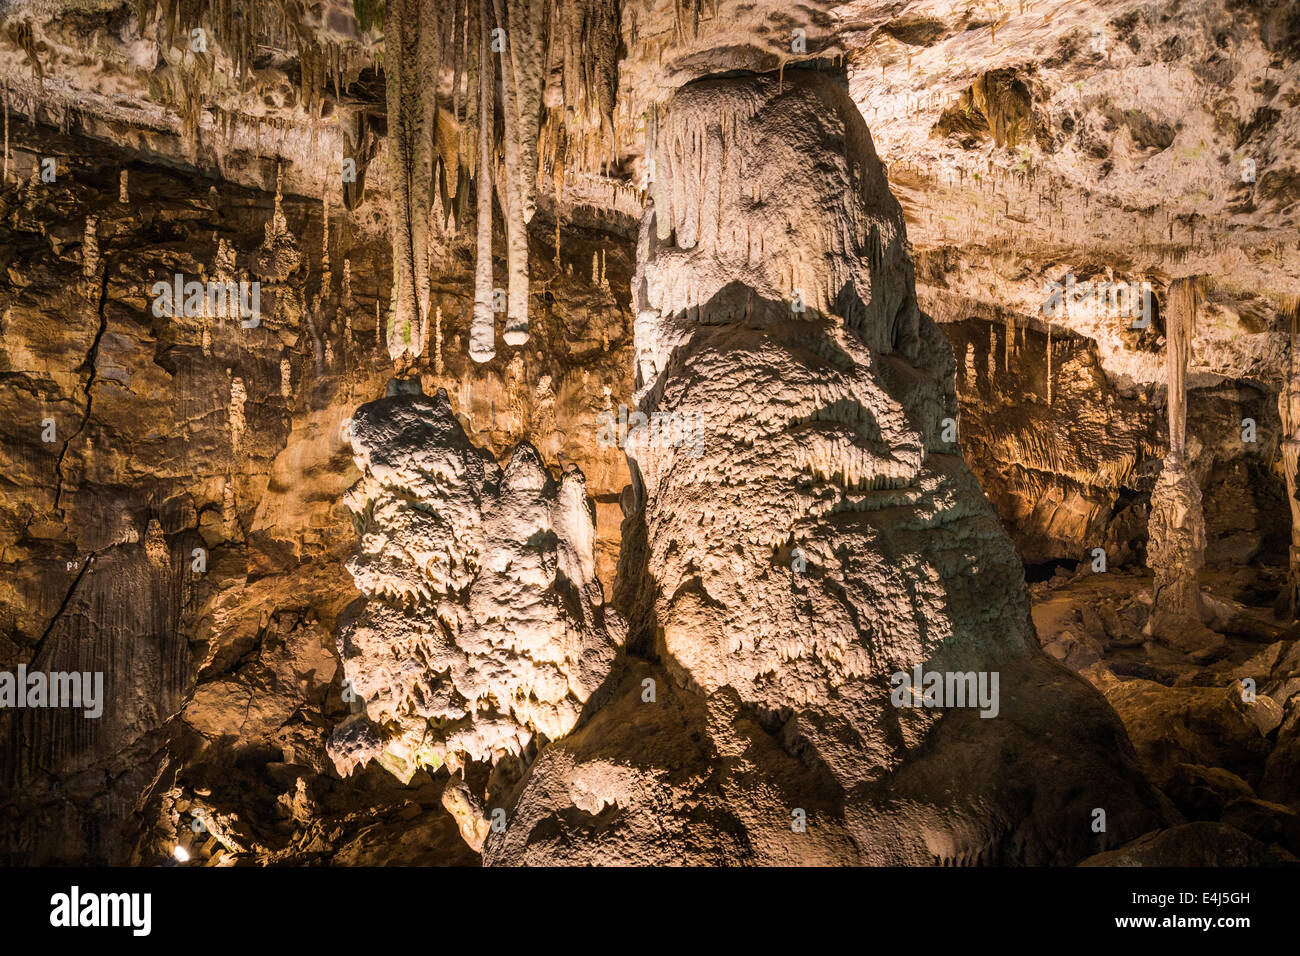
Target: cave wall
x=1072, y=469
x=232, y=671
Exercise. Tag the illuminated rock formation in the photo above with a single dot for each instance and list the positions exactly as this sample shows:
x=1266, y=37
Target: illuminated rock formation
x=808, y=543
x=182, y=527
x=483, y=624
x=1176, y=545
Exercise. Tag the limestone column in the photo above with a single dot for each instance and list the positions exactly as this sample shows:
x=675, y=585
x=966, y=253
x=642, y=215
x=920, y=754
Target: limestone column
x=1176, y=527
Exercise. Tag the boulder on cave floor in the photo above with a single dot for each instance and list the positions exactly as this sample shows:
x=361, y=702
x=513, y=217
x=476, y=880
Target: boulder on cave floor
x=1191, y=844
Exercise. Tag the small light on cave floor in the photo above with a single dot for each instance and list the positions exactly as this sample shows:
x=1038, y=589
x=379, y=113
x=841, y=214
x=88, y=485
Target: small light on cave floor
x=181, y=854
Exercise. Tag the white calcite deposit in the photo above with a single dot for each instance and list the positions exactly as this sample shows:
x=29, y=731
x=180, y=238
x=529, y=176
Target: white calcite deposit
x=483, y=625
x=821, y=535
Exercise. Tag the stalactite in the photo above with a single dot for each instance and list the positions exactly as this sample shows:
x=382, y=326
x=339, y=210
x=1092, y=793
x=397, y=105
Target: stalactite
x=1288, y=403
x=525, y=57
x=1049, y=365
x=437, y=341
x=514, y=185
x=123, y=196
x=286, y=383
x=5, y=180
x=411, y=69
x=1180, y=327
x=482, y=335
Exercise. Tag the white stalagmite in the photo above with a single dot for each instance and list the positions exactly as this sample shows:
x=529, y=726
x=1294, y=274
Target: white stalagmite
x=482, y=331
x=771, y=427
x=484, y=623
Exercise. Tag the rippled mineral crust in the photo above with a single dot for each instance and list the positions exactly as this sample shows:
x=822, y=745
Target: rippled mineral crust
x=820, y=429
x=483, y=625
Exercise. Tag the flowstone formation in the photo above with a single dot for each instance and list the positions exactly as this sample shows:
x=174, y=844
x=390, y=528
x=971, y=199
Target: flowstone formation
x=811, y=547
x=483, y=631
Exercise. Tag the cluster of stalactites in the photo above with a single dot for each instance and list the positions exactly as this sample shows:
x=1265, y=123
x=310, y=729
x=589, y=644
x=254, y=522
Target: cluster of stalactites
x=510, y=63
x=734, y=202
x=578, y=134
x=1288, y=406
x=189, y=34
x=499, y=56
x=483, y=45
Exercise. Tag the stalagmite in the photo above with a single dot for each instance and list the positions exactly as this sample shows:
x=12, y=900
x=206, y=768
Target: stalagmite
x=461, y=651
x=1176, y=527
x=238, y=395
x=733, y=638
x=229, y=510
x=90, y=248
x=482, y=332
